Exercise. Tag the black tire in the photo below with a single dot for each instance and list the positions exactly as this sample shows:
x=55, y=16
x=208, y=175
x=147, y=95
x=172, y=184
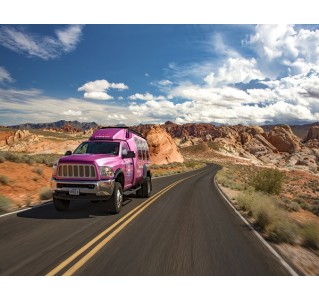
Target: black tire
x=61, y=205
x=116, y=200
x=146, y=188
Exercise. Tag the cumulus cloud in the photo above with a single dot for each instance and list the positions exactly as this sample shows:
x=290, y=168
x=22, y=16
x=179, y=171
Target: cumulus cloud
x=235, y=70
x=146, y=97
x=286, y=100
x=5, y=75
x=20, y=40
x=286, y=48
x=98, y=89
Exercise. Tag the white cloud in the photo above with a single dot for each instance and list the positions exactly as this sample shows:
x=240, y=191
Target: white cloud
x=20, y=40
x=290, y=99
x=98, y=89
x=20, y=106
x=211, y=96
x=235, y=70
x=145, y=97
x=283, y=48
x=71, y=112
x=165, y=82
x=5, y=75
x=69, y=37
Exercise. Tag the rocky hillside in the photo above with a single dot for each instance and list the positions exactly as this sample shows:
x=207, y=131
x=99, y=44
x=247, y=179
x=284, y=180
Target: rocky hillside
x=278, y=147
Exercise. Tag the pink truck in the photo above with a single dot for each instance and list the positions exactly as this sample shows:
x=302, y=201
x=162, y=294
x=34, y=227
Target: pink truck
x=112, y=162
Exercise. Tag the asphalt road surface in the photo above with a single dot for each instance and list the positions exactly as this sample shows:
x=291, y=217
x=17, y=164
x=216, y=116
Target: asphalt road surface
x=185, y=228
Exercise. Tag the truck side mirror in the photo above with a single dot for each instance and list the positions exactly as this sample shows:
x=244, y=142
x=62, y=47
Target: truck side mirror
x=130, y=154
x=67, y=153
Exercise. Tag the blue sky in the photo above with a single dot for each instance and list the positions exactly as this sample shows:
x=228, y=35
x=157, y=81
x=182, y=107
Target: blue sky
x=110, y=74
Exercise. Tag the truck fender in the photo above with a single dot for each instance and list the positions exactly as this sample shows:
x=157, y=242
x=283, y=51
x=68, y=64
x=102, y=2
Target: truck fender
x=120, y=173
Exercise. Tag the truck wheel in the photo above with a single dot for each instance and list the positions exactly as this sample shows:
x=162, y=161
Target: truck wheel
x=61, y=205
x=115, y=203
x=146, y=187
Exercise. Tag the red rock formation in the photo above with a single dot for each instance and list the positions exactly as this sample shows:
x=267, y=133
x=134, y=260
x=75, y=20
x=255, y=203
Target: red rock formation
x=282, y=138
x=18, y=141
x=163, y=149
x=313, y=133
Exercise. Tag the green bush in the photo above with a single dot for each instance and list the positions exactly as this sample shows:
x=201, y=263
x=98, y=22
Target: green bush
x=2, y=159
x=45, y=194
x=269, y=181
x=5, y=204
x=310, y=235
x=4, y=180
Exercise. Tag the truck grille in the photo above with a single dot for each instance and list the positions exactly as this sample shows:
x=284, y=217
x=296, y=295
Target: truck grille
x=76, y=171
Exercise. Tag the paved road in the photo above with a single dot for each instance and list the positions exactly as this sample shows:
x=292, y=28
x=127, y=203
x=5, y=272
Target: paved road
x=185, y=228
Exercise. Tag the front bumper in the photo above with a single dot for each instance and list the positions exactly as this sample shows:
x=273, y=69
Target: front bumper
x=102, y=189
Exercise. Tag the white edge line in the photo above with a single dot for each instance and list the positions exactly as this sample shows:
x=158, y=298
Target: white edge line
x=25, y=209
x=271, y=249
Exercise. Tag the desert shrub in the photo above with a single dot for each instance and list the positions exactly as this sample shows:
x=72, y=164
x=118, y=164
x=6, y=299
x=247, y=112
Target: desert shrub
x=263, y=210
x=5, y=204
x=4, y=180
x=38, y=170
x=228, y=179
x=246, y=201
x=12, y=157
x=45, y=194
x=2, y=159
x=293, y=206
x=214, y=145
x=282, y=229
x=47, y=159
x=310, y=235
x=269, y=181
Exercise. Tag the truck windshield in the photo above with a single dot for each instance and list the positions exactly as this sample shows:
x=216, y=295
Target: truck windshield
x=98, y=148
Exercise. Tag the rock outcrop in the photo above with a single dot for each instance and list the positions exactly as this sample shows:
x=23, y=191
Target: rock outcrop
x=18, y=141
x=283, y=139
x=313, y=133
x=163, y=149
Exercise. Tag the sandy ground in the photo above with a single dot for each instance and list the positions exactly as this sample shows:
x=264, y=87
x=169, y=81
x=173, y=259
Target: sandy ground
x=25, y=182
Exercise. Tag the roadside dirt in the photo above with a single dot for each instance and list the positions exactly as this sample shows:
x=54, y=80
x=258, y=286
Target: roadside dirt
x=25, y=182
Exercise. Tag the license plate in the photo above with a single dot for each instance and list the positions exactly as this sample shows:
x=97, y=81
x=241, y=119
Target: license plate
x=75, y=192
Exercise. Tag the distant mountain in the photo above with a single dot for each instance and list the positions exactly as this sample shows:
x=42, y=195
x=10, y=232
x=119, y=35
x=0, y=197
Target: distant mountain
x=194, y=129
x=59, y=124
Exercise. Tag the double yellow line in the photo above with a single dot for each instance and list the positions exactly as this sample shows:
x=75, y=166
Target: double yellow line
x=124, y=221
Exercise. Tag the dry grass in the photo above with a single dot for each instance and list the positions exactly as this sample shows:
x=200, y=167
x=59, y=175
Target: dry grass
x=5, y=204
x=270, y=214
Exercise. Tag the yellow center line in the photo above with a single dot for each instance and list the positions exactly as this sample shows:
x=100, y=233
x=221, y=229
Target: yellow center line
x=139, y=209
x=89, y=244
x=100, y=245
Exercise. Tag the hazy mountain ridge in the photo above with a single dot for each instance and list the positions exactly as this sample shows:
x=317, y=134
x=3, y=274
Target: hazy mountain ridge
x=176, y=130
x=57, y=124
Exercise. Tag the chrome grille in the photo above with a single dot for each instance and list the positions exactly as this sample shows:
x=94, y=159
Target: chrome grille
x=76, y=171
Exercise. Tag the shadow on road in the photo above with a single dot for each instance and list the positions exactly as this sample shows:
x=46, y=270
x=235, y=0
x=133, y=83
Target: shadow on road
x=78, y=210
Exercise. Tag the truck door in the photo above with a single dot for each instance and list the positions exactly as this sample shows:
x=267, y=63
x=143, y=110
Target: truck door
x=128, y=166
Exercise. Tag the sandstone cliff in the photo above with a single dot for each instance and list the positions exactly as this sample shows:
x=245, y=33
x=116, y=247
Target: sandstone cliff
x=163, y=149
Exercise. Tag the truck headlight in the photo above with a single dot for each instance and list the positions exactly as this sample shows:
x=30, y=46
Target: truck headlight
x=54, y=169
x=106, y=171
